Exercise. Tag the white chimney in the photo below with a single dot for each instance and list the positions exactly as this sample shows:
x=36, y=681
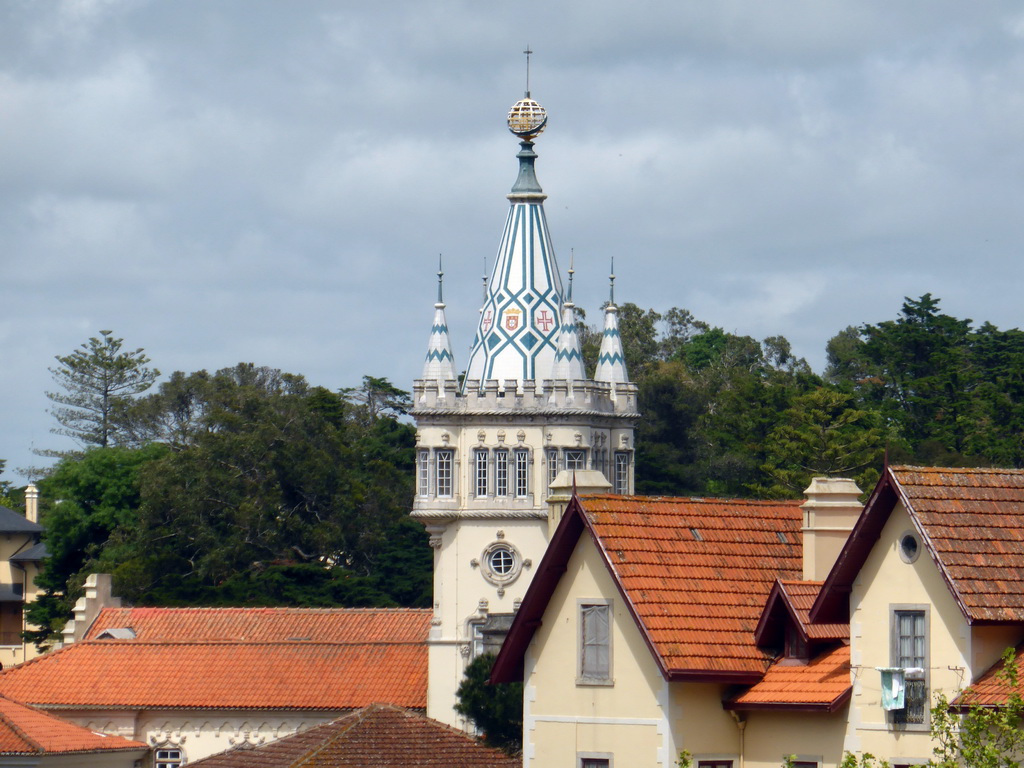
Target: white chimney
x=830, y=512
x=32, y=503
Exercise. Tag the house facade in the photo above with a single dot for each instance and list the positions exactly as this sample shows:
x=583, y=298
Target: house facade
x=742, y=633
x=21, y=554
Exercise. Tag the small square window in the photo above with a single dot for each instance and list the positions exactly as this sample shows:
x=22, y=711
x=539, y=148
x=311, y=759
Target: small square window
x=169, y=758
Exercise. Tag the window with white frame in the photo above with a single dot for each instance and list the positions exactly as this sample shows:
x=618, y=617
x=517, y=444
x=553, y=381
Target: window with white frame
x=443, y=477
x=423, y=473
x=595, y=657
x=620, y=483
x=480, y=472
x=910, y=650
x=595, y=762
x=501, y=473
x=522, y=478
x=575, y=459
x=169, y=758
x=552, y=458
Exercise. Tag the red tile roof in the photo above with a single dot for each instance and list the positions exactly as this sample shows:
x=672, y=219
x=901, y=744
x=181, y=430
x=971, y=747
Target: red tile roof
x=24, y=730
x=336, y=625
x=377, y=737
x=823, y=684
x=791, y=601
x=991, y=689
x=365, y=666
x=971, y=522
x=695, y=573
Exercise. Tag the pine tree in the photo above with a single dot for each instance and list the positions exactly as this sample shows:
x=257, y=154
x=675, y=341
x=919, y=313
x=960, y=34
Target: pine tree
x=98, y=379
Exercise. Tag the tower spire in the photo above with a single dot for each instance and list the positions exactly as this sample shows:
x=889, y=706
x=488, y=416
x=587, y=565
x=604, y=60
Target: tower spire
x=439, y=365
x=568, y=357
x=519, y=325
x=611, y=362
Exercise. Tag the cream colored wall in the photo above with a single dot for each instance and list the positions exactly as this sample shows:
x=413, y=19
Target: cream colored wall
x=701, y=725
x=562, y=718
x=811, y=736
x=11, y=544
x=988, y=645
x=199, y=734
x=885, y=581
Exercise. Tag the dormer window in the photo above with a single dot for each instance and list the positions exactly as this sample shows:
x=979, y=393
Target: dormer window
x=796, y=645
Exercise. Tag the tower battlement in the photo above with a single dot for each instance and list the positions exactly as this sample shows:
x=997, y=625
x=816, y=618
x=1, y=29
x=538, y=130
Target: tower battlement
x=554, y=397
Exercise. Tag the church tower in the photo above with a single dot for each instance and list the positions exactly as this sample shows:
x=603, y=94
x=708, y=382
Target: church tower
x=490, y=448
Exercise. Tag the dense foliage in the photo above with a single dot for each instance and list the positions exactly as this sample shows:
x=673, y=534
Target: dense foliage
x=249, y=487
x=495, y=710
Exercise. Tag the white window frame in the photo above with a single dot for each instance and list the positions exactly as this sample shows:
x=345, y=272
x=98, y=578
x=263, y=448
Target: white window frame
x=579, y=455
x=620, y=481
x=480, y=460
x=444, y=472
x=552, y=458
x=423, y=471
x=162, y=757
x=588, y=636
x=501, y=486
x=522, y=473
x=594, y=760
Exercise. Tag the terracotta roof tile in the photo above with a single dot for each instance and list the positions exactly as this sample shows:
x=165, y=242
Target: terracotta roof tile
x=377, y=737
x=273, y=675
x=824, y=684
x=337, y=625
x=24, y=730
x=973, y=520
x=990, y=689
x=698, y=597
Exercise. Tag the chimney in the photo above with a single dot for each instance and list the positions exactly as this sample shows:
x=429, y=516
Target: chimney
x=32, y=503
x=560, y=491
x=830, y=512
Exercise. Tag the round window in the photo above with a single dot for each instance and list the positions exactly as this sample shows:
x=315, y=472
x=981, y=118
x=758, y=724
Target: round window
x=502, y=563
x=910, y=547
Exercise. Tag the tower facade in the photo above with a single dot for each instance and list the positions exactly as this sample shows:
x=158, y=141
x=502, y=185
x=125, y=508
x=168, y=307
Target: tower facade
x=489, y=449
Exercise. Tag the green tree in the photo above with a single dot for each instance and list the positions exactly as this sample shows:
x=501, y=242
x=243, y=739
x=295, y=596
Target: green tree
x=6, y=490
x=496, y=710
x=821, y=433
x=97, y=380
x=85, y=501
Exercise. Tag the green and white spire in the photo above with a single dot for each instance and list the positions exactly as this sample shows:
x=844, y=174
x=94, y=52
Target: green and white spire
x=439, y=365
x=568, y=358
x=611, y=363
x=517, y=335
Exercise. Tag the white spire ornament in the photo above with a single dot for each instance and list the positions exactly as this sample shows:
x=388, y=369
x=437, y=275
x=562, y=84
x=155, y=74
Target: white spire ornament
x=439, y=365
x=568, y=358
x=611, y=363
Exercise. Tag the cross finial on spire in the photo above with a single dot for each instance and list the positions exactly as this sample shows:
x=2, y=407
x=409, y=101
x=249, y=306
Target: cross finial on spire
x=611, y=280
x=528, y=53
x=440, y=280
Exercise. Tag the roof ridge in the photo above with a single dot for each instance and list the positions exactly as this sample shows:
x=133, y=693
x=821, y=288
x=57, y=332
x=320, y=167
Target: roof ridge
x=692, y=499
x=274, y=608
x=217, y=641
x=18, y=730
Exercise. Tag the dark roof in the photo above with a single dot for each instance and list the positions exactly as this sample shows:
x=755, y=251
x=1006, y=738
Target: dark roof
x=971, y=522
x=33, y=554
x=14, y=522
x=378, y=736
x=694, y=574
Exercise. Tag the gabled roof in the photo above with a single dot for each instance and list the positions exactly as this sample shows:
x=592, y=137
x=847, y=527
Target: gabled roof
x=379, y=736
x=352, y=671
x=971, y=522
x=27, y=731
x=13, y=522
x=791, y=601
x=694, y=573
x=335, y=625
x=821, y=685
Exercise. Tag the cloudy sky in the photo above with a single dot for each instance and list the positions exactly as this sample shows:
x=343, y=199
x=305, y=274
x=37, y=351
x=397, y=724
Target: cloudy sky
x=243, y=180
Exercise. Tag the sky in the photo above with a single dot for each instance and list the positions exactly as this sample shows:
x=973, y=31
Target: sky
x=224, y=181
